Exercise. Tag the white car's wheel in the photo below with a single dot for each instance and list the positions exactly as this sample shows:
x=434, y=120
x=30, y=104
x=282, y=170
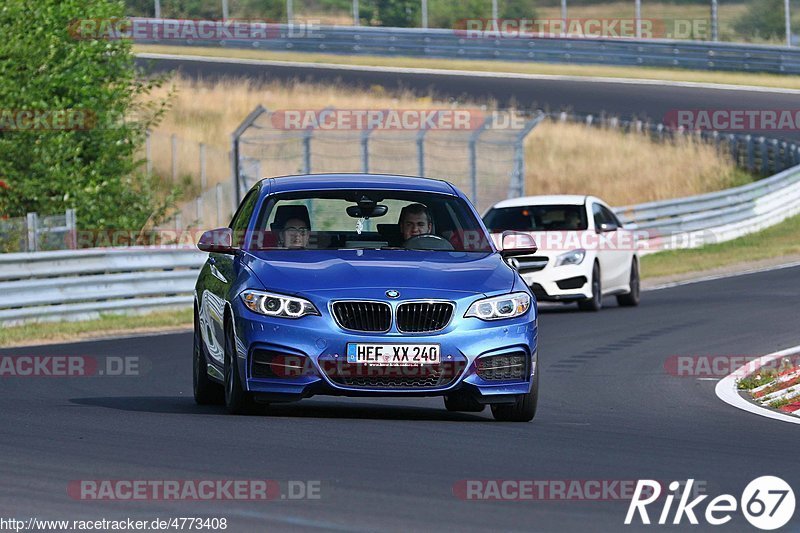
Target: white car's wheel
x=631, y=298
x=595, y=303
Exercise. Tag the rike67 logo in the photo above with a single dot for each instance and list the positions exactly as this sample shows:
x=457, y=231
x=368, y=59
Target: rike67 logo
x=767, y=503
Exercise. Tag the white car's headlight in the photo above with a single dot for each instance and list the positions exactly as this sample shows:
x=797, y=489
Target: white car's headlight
x=575, y=257
x=499, y=307
x=279, y=305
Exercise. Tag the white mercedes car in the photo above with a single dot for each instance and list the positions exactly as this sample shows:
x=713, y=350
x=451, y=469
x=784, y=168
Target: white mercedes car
x=585, y=252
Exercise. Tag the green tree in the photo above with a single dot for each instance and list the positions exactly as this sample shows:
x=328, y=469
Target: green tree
x=763, y=19
x=44, y=67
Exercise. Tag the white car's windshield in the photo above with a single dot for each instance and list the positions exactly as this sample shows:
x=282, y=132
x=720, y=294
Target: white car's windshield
x=537, y=218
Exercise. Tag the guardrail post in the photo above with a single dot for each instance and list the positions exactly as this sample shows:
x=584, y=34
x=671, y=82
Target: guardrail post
x=148, y=152
x=198, y=208
x=235, y=146
x=424, y=9
x=517, y=185
x=307, y=151
x=218, y=198
x=421, y=151
x=787, y=20
x=473, y=158
x=365, y=150
x=751, y=158
x=638, y=17
x=764, y=149
x=714, y=21
x=203, y=177
x=174, y=145
x=72, y=229
x=734, y=148
x=157, y=10
x=32, y=222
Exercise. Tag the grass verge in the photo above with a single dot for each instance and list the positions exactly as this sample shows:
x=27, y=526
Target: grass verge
x=778, y=241
x=645, y=73
x=105, y=326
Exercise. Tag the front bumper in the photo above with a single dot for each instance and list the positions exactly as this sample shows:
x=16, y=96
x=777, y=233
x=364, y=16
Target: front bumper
x=318, y=345
x=560, y=284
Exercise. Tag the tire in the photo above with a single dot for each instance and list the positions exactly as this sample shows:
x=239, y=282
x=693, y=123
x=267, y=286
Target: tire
x=595, y=303
x=206, y=391
x=631, y=299
x=237, y=400
x=463, y=403
x=524, y=410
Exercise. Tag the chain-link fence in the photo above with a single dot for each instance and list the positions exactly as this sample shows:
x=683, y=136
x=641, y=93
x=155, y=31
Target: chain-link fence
x=478, y=151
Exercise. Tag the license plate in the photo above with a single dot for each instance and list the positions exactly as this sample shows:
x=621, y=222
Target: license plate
x=393, y=354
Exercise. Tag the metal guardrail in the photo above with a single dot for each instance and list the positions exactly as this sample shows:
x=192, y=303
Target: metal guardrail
x=719, y=216
x=86, y=283
x=81, y=284
x=455, y=44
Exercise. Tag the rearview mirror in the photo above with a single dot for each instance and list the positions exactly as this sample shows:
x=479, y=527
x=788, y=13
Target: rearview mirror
x=514, y=243
x=367, y=210
x=218, y=240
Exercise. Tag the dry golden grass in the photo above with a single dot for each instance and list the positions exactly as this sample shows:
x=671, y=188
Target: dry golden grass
x=559, y=158
x=622, y=168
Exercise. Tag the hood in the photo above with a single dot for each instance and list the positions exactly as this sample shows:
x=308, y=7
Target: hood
x=340, y=271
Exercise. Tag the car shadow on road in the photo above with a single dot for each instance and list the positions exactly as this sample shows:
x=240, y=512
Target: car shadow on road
x=303, y=409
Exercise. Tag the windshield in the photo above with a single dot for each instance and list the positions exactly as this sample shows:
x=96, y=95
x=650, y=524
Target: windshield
x=369, y=219
x=537, y=218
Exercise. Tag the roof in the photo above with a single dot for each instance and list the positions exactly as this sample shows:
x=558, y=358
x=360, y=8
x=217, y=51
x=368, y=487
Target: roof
x=309, y=182
x=553, y=199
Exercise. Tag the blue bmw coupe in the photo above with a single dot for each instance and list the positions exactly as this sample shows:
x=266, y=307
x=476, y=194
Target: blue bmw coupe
x=364, y=285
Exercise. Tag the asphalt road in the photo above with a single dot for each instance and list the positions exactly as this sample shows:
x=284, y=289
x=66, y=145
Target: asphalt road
x=608, y=411
x=623, y=100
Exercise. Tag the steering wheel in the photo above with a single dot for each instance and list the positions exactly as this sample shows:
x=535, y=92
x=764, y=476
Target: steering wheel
x=428, y=241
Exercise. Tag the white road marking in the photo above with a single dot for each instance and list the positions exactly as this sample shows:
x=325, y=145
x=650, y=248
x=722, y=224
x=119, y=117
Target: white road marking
x=727, y=392
x=473, y=74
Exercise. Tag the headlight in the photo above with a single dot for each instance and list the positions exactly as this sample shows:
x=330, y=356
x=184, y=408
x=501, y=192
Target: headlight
x=575, y=257
x=270, y=304
x=499, y=307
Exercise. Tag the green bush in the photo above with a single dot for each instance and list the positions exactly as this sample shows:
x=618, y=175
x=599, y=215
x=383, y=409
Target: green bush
x=92, y=169
x=764, y=19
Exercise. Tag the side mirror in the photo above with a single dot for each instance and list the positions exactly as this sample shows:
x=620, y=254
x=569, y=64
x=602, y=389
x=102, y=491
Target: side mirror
x=605, y=227
x=218, y=240
x=514, y=243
